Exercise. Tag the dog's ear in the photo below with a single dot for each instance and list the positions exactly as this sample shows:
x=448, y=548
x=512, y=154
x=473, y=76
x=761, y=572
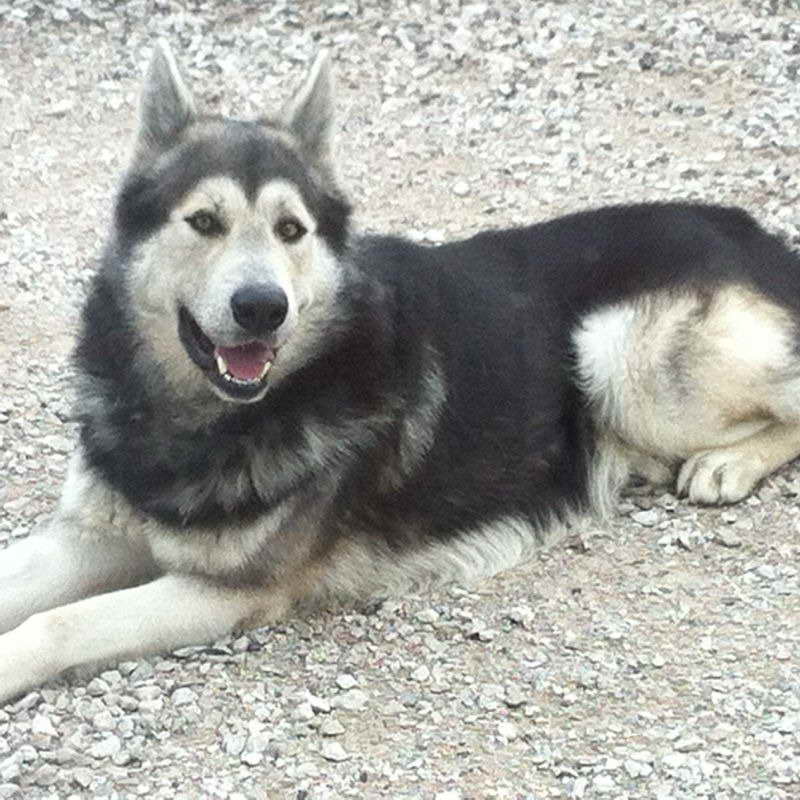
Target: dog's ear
x=166, y=107
x=309, y=114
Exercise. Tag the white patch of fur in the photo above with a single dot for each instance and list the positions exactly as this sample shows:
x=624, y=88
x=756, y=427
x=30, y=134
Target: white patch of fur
x=602, y=342
x=670, y=374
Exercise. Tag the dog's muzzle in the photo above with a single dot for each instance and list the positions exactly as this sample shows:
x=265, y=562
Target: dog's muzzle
x=240, y=371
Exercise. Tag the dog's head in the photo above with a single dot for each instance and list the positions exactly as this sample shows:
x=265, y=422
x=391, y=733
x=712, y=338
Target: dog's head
x=230, y=232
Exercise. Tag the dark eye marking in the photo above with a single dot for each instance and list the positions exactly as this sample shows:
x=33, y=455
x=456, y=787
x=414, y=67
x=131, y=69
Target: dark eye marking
x=206, y=223
x=290, y=230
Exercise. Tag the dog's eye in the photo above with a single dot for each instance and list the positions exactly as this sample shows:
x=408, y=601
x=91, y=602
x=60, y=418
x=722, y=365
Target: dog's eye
x=206, y=223
x=289, y=230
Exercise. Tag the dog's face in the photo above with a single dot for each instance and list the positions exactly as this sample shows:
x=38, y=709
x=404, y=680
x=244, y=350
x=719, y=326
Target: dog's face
x=233, y=230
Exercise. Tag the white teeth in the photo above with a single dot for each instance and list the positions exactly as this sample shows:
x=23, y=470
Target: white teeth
x=222, y=368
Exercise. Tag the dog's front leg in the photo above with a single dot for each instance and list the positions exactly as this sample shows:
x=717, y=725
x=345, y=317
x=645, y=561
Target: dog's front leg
x=63, y=564
x=169, y=612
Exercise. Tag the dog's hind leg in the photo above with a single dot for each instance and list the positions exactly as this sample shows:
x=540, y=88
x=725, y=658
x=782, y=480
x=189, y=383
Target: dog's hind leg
x=167, y=613
x=729, y=474
x=706, y=383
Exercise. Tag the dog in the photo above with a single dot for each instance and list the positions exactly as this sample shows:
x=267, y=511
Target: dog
x=276, y=413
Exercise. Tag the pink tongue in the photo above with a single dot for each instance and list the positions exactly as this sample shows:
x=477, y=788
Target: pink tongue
x=246, y=362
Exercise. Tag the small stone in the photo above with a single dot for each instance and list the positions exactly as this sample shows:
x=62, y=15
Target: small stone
x=481, y=634
x=27, y=703
x=319, y=704
x=103, y=720
x=303, y=712
x=346, y=681
x=521, y=615
x=106, y=748
x=460, y=188
x=514, y=697
x=41, y=725
x=97, y=687
x=46, y=775
x=685, y=541
x=727, y=539
x=604, y=784
x=674, y=760
x=83, y=777
x=689, y=744
x=148, y=692
x=183, y=696
x=767, y=571
x=508, y=730
x=647, y=518
x=233, y=744
x=9, y=769
x=354, y=700
x=143, y=672
x=428, y=615
x=421, y=673
x=333, y=751
x=151, y=706
x=331, y=727
x=252, y=759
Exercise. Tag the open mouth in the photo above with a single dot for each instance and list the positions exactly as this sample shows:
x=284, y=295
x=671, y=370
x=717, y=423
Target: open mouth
x=240, y=372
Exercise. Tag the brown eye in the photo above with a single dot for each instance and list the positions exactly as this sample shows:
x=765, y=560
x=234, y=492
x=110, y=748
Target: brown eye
x=206, y=223
x=289, y=230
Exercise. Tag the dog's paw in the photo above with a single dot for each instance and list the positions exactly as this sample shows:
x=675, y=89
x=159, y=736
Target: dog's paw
x=719, y=476
x=647, y=475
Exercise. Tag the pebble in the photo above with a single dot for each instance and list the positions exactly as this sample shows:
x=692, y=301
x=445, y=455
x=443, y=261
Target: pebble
x=331, y=727
x=421, y=674
x=508, y=730
x=304, y=712
x=514, y=697
x=42, y=725
x=352, y=700
x=333, y=751
x=689, y=744
x=604, y=784
x=647, y=518
x=346, y=681
x=727, y=539
x=319, y=704
x=183, y=697
x=107, y=747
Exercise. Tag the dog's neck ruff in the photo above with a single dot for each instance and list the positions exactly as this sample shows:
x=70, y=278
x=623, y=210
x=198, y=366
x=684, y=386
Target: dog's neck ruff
x=250, y=458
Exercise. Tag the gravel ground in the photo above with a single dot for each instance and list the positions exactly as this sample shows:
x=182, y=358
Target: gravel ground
x=655, y=656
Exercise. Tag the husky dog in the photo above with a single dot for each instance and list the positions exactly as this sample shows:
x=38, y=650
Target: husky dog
x=275, y=413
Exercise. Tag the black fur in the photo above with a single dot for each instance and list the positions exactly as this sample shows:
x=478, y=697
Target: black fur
x=498, y=309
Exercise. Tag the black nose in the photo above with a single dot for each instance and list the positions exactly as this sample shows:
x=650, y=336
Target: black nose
x=259, y=308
